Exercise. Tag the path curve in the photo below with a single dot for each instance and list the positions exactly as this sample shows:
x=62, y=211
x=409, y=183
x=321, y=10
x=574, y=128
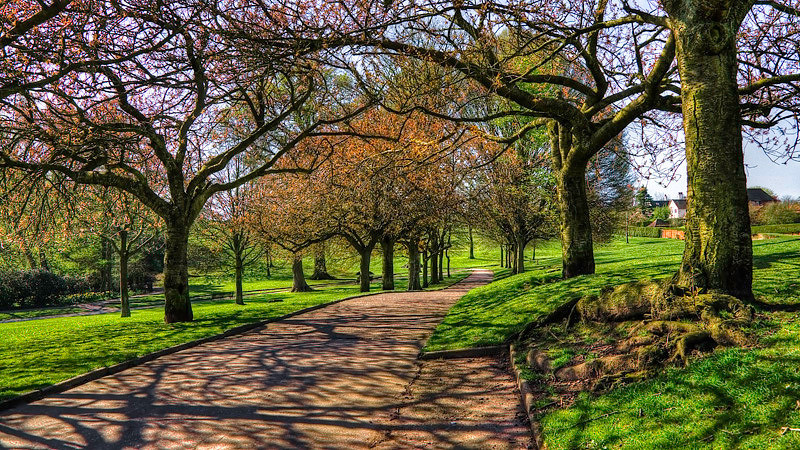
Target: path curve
x=344, y=376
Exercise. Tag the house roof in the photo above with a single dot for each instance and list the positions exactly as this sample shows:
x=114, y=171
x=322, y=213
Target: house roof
x=658, y=203
x=758, y=195
x=679, y=202
x=659, y=223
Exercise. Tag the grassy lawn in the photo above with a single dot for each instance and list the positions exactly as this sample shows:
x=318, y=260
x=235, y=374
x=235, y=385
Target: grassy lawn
x=42, y=352
x=734, y=398
x=39, y=312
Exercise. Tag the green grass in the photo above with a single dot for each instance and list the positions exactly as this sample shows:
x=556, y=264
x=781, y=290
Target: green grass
x=38, y=312
x=734, y=398
x=490, y=314
x=42, y=352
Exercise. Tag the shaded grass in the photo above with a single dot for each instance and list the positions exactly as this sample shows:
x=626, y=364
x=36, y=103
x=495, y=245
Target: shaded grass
x=38, y=312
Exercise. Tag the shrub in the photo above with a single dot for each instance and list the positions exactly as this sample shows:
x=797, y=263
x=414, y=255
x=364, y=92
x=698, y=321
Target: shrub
x=650, y=232
x=37, y=288
x=662, y=212
x=778, y=213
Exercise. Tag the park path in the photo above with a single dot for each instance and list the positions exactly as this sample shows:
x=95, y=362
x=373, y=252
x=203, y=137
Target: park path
x=342, y=377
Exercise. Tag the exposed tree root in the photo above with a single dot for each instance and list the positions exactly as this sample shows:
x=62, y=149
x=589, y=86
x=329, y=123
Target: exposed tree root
x=630, y=332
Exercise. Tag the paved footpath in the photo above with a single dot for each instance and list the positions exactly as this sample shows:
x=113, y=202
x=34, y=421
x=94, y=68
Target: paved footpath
x=342, y=377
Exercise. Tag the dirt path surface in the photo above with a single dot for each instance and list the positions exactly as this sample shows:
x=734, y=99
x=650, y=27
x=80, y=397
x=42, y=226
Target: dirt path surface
x=342, y=377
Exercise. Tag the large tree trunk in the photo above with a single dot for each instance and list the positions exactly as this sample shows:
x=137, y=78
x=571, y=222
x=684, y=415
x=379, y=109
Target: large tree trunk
x=576, y=230
x=434, y=257
x=298, y=278
x=364, y=277
x=320, y=265
x=471, y=245
x=238, y=276
x=425, y=269
x=520, y=255
x=718, y=255
x=125, y=306
x=387, y=272
x=238, y=267
x=177, y=307
x=413, y=266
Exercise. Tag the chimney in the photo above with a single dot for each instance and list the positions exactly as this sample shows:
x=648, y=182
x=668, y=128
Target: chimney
x=681, y=196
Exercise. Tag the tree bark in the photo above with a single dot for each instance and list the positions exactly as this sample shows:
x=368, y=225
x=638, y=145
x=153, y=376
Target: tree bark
x=520, y=255
x=502, y=258
x=471, y=245
x=387, y=272
x=45, y=265
x=177, y=307
x=718, y=255
x=364, y=278
x=320, y=265
x=576, y=231
x=425, y=269
x=413, y=266
x=298, y=278
x=125, y=306
x=238, y=276
x=434, y=257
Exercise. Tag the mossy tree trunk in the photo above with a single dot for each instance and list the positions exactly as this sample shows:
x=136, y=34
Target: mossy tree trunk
x=364, y=278
x=577, y=252
x=298, y=278
x=718, y=255
x=238, y=267
x=471, y=245
x=177, y=307
x=387, y=272
x=320, y=264
x=413, y=265
x=124, y=256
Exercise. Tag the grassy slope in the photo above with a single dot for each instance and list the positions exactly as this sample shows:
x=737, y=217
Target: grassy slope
x=736, y=398
x=490, y=314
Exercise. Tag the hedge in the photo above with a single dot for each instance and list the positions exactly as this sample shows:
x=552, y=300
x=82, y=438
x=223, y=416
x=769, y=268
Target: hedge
x=649, y=232
x=783, y=228
x=37, y=288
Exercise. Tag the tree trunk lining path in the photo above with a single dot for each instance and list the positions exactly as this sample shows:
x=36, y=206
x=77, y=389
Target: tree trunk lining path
x=345, y=376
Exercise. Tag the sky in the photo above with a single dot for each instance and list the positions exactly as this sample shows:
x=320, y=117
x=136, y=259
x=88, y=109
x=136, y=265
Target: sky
x=783, y=179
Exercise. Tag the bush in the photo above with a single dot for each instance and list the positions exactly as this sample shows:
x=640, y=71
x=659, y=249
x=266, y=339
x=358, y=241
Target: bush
x=784, y=228
x=650, y=232
x=662, y=212
x=777, y=213
x=38, y=288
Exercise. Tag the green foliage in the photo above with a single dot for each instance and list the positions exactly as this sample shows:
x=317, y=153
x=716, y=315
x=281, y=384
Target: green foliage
x=649, y=232
x=643, y=200
x=661, y=212
x=37, y=288
x=778, y=213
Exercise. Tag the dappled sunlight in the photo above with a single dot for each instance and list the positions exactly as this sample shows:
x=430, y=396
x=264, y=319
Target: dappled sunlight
x=327, y=379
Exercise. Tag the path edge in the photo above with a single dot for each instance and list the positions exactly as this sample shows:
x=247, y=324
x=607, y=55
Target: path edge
x=525, y=388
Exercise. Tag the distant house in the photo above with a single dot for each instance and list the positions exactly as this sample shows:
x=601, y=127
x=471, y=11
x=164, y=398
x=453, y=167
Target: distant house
x=759, y=197
x=659, y=203
x=677, y=208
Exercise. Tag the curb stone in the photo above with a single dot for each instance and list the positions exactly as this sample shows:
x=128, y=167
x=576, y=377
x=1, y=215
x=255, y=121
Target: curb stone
x=526, y=397
x=472, y=352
